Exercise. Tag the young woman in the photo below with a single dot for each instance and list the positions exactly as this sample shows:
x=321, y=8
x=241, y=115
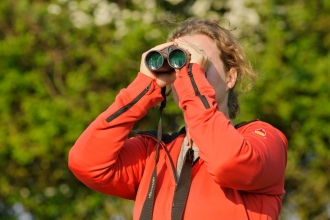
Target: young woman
x=210, y=169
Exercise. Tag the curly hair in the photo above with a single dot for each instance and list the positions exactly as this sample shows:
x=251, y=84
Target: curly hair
x=232, y=54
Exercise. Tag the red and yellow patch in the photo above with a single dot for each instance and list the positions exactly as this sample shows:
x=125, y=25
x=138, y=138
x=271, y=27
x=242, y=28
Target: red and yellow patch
x=261, y=132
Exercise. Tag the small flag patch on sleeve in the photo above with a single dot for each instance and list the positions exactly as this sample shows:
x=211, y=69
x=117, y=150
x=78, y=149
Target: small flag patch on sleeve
x=261, y=132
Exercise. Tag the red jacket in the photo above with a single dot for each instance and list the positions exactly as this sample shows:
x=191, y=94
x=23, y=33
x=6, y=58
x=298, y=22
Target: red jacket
x=239, y=175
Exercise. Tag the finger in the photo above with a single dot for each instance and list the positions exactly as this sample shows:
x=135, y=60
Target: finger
x=200, y=49
x=193, y=50
x=162, y=46
x=197, y=53
x=190, y=47
x=197, y=48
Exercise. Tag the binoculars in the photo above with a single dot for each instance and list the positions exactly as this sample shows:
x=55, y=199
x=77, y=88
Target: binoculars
x=166, y=60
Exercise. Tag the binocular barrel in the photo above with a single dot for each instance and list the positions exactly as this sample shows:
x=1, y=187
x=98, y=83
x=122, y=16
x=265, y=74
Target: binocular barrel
x=166, y=60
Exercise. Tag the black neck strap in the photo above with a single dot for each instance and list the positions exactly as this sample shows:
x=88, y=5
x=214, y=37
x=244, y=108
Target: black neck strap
x=148, y=206
x=182, y=187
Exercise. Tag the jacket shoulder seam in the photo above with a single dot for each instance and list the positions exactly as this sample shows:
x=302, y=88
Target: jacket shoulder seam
x=241, y=124
x=166, y=138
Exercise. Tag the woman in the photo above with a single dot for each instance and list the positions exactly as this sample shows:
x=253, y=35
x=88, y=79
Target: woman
x=229, y=172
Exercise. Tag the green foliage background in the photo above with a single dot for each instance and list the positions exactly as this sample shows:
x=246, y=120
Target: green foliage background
x=61, y=64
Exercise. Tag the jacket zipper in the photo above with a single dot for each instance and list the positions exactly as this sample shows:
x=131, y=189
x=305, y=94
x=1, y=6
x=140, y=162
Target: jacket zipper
x=197, y=93
x=128, y=106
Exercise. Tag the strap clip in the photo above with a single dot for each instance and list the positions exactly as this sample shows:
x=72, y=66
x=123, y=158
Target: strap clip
x=190, y=157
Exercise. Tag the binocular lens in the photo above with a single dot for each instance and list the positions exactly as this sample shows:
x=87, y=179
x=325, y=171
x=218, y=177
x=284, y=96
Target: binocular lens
x=154, y=60
x=177, y=59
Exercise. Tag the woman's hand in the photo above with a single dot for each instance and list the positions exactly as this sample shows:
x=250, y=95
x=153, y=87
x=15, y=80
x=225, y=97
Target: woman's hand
x=197, y=54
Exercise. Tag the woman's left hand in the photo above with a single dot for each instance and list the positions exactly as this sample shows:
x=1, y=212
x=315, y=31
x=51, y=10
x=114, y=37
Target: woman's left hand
x=197, y=54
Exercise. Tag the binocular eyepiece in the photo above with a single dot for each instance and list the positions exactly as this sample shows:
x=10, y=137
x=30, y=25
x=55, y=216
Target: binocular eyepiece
x=166, y=60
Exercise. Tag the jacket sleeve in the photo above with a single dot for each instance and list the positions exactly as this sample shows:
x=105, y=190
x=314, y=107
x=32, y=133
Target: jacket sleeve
x=243, y=159
x=103, y=157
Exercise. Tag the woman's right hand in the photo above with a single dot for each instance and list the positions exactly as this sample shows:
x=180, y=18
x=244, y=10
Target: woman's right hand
x=162, y=79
